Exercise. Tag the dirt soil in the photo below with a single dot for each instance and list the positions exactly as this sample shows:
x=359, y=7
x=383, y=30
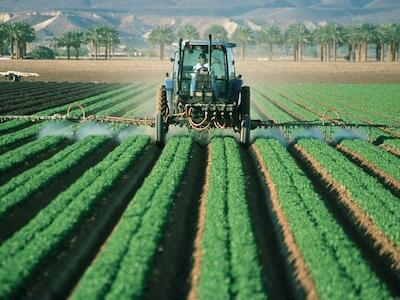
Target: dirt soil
x=253, y=71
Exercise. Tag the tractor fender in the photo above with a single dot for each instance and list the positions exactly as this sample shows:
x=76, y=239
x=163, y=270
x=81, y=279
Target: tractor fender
x=169, y=86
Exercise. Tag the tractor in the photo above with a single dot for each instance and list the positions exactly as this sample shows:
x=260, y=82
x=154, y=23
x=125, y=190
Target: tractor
x=204, y=98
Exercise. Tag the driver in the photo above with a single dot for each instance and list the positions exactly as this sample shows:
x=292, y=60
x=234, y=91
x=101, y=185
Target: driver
x=202, y=65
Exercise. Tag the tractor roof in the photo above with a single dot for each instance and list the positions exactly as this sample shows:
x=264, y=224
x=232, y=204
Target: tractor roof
x=205, y=43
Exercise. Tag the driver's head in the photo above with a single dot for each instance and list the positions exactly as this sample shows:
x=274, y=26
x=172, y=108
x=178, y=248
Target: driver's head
x=202, y=59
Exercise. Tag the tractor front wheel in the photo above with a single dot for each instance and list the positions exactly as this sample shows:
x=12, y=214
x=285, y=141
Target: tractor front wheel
x=161, y=114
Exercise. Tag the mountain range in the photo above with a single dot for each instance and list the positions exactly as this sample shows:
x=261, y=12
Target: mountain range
x=136, y=18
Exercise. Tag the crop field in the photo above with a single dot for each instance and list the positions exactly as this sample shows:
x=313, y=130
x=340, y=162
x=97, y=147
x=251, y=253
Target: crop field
x=95, y=211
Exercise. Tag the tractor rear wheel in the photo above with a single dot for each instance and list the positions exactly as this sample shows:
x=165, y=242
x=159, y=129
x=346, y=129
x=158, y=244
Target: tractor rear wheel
x=161, y=114
x=245, y=101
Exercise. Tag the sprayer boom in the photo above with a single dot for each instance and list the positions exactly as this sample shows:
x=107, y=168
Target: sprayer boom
x=326, y=125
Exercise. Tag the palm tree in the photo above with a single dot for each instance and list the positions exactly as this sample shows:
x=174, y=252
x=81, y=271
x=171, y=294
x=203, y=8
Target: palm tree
x=4, y=31
x=111, y=39
x=161, y=35
x=298, y=35
x=77, y=40
x=91, y=37
x=367, y=33
x=382, y=37
x=70, y=39
x=270, y=35
x=393, y=40
x=243, y=36
x=20, y=33
x=188, y=32
x=335, y=36
x=321, y=37
x=218, y=32
x=352, y=38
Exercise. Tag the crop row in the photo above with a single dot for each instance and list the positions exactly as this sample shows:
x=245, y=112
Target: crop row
x=104, y=105
x=54, y=100
x=296, y=110
x=274, y=113
x=28, y=248
x=28, y=151
x=361, y=97
x=350, y=113
x=374, y=209
x=122, y=267
x=44, y=92
x=375, y=159
x=21, y=187
x=229, y=261
x=319, y=106
x=12, y=125
x=11, y=89
x=318, y=250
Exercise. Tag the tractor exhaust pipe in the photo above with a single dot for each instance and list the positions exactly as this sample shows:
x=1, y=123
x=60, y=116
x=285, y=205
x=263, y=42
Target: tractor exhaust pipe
x=179, y=63
x=209, y=52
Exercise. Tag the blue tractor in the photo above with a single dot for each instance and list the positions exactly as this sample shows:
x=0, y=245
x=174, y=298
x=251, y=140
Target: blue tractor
x=203, y=91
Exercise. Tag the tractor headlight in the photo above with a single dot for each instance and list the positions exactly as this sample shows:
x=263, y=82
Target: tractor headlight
x=208, y=94
x=198, y=94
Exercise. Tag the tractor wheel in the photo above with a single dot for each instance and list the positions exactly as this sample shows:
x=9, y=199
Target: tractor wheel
x=245, y=101
x=161, y=113
x=161, y=101
x=12, y=78
x=245, y=130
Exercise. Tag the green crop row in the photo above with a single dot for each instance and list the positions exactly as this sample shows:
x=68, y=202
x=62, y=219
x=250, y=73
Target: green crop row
x=378, y=203
x=13, y=158
x=270, y=109
x=335, y=263
x=376, y=156
x=361, y=97
x=21, y=187
x=63, y=93
x=284, y=102
x=352, y=110
x=229, y=264
x=29, y=247
x=105, y=103
x=62, y=109
x=123, y=265
x=394, y=143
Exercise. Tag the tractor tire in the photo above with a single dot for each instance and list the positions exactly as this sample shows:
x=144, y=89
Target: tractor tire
x=12, y=78
x=245, y=101
x=161, y=101
x=160, y=129
x=162, y=112
x=245, y=130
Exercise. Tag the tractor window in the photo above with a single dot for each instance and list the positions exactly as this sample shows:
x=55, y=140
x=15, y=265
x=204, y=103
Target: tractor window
x=218, y=66
x=231, y=66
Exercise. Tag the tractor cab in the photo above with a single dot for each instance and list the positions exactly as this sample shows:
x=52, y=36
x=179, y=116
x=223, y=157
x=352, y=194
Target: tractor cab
x=203, y=91
x=215, y=83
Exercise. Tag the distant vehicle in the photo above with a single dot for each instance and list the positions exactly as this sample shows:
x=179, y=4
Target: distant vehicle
x=14, y=76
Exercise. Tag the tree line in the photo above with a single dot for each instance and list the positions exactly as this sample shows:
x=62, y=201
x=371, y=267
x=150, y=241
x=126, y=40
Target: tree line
x=15, y=37
x=327, y=37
